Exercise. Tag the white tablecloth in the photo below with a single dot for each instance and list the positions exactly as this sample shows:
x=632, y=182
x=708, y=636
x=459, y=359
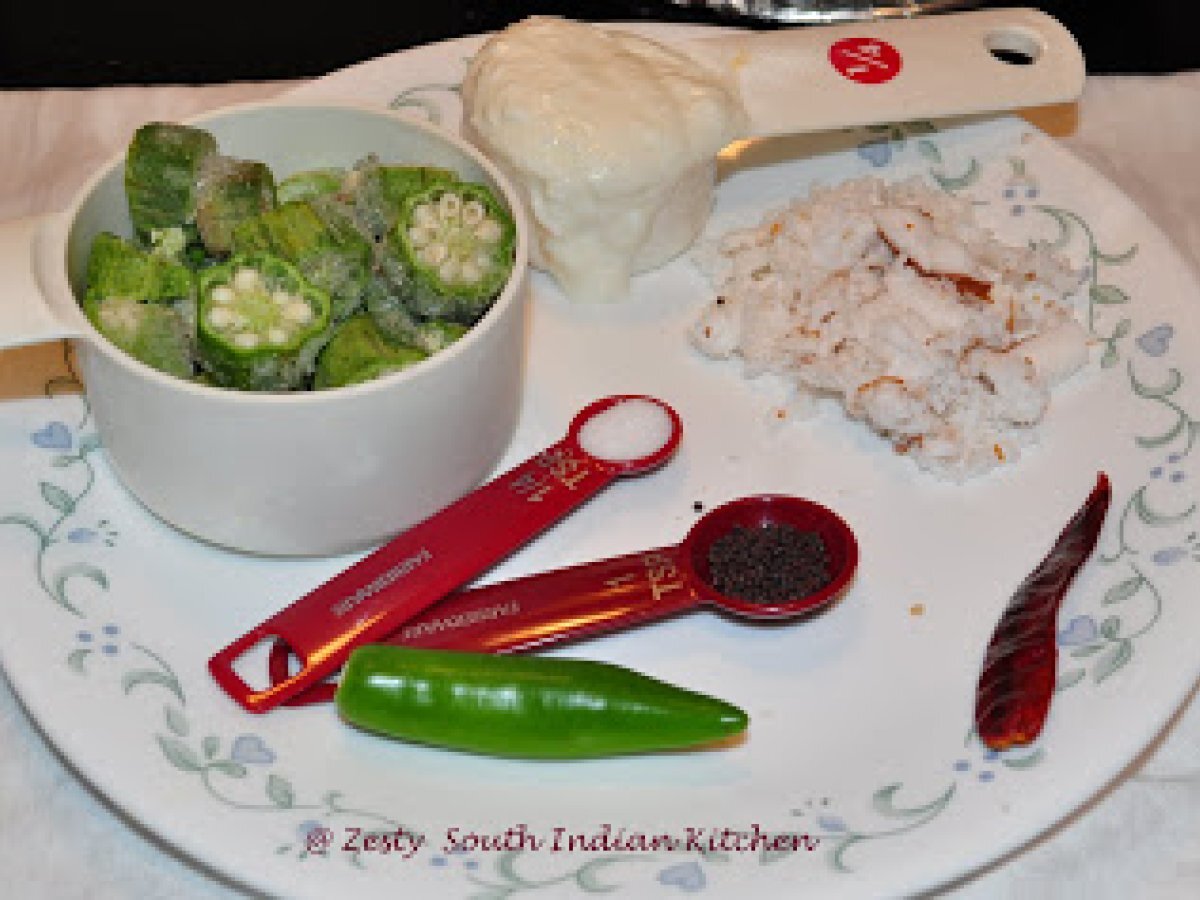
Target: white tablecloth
x=1141, y=838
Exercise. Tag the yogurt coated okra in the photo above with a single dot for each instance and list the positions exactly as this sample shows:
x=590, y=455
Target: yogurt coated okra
x=319, y=279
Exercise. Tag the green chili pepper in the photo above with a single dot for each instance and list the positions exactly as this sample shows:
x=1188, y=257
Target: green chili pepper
x=525, y=706
x=260, y=324
x=456, y=243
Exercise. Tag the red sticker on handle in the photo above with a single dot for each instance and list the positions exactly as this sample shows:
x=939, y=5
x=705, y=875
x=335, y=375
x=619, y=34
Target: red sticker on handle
x=865, y=60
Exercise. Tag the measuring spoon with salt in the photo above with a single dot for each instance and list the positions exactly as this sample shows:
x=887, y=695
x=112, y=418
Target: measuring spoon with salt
x=611, y=594
x=613, y=437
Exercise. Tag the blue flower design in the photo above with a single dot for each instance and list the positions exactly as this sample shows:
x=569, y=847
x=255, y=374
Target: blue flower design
x=688, y=877
x=54, y=436
x=1156, y=341
x=1079, y=632
x=877, y=151
x=1168, y=556
x=251, y=749
x=831, y=823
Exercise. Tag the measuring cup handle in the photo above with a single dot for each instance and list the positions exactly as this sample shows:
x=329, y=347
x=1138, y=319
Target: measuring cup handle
x=549, y=608
x=800, y=80
x=27, y=255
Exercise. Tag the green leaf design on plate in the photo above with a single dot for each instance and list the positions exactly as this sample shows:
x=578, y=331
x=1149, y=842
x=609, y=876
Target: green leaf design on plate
x=280, y=792
x=210, y=745
x=929, y=150
x=179, y=754
x=229, y=767
x=1122, y=590
x=76, y=570
x=140, y=677
x=950, y=183
x=57, y=497
x=1108, y=295
x=77, y=658
x=1069, y=679
x=1024, y=762
x=1120, y=654
x=88, y=443
x=176, y=720
x=1110, y=627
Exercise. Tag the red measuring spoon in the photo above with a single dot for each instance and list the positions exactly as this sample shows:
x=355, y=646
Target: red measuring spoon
x=413, y=571
x=611, y=594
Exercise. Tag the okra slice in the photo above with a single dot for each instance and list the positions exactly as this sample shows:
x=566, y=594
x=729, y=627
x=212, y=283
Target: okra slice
x=119, y=268
x=162, y=168
x=310, y=183
x=260, y=324
x=329, y=254
x=436, y=334
x=456, y=242
x=151, y=333
x=229, y=192
x=358, y=352
x=378, y=191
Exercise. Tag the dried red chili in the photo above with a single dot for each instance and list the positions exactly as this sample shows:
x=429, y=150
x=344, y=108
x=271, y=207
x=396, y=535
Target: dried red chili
x=1020, y=666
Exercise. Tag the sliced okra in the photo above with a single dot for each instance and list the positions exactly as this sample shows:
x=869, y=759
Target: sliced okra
x=328, y=252
x=163, y=164
x=119, y=268
x=456, y=242
x=358, y=352
x=152, y=333
x=229, y=192
x=260, y=323
x=310, y=183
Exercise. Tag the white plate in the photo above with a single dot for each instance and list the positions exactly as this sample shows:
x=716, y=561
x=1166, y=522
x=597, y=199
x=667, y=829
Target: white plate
x=861, y=718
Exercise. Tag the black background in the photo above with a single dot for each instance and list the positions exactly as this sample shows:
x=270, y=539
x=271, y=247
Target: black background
x=55, y=44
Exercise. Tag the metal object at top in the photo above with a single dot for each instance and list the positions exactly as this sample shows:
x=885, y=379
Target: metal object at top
x=797, y=12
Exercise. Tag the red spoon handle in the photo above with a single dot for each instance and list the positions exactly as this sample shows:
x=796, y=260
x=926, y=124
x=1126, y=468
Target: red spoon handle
x=534, y=612
x=537, y=611
x=386, y=588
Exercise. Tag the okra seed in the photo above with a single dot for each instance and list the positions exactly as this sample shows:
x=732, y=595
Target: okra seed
x=220, y=317
x=277, y=336
x=221, y=294
x=488, y=231
x=245, y=280
x=470, y=272
x=245, y=340
x=473, y=213
x=297, y=311
x=434, y=254
x=419, y=236
x=449, y=206
x=281, y=298
x=483, y=261
x=423, y=215
x=449, y=270
x=237, y=320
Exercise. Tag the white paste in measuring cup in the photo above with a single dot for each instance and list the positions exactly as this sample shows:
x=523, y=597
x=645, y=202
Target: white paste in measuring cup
x=628, y=430
x=612, y=139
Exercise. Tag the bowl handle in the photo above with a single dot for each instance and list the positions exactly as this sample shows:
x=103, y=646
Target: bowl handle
x=26, y=252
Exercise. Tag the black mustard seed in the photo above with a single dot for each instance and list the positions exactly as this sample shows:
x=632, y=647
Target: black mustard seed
x=771, y=563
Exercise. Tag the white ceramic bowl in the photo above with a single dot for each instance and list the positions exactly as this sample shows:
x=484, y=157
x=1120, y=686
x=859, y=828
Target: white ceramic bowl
x=309, y=473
